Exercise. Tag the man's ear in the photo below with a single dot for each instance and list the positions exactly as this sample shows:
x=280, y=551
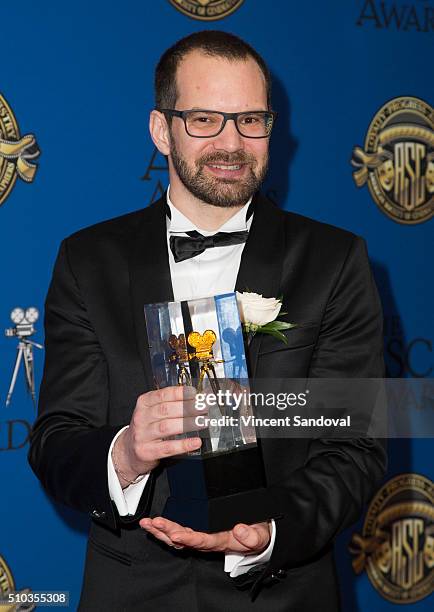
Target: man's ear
x=159, y=132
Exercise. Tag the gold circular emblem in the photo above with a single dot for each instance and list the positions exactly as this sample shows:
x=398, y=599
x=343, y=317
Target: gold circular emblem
x=15, y=152
x=8, y=131
x=207, y=10
x=398, y=160
x=7, y=584
x=397, y=543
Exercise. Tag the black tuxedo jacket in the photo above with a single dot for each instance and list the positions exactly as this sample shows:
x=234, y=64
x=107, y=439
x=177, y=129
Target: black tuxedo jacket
x=97, y=364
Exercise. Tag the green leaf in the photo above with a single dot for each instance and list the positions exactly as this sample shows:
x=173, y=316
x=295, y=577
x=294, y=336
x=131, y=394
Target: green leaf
x=283, y=325
x=275, y=333
x=279, y=325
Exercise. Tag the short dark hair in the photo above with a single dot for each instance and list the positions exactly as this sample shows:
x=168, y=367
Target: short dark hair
x=214, y=43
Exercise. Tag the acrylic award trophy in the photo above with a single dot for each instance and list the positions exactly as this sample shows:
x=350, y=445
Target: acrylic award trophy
x=200, y=343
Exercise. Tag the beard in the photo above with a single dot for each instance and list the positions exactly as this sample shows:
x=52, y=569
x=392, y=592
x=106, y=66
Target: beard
x=217, y=191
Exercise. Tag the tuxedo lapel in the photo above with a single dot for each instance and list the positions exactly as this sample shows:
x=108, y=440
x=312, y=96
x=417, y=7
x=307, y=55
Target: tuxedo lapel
x=261, y=262
x=150, y=280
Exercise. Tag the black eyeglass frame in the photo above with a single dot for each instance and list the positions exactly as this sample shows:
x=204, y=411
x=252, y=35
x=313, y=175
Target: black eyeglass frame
x=226, y=117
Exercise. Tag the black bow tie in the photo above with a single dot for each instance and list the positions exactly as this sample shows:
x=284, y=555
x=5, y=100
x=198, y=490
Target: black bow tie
x=184, y=247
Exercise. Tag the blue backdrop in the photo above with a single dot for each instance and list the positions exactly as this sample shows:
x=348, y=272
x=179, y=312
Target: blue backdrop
x=79, y=76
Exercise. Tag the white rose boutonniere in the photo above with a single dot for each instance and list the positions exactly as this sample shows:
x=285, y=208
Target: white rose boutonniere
x=258, y=314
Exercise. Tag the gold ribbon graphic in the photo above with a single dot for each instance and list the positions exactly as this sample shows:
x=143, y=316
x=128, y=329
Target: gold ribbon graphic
x=364, y=547
x=22, y=150
x=367, y=161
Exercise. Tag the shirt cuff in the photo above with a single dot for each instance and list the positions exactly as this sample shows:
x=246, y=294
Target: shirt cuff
x=238, y=564
x=126, y=500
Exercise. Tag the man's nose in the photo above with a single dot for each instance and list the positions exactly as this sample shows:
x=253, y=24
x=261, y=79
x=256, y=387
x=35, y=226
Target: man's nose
x=229, y=138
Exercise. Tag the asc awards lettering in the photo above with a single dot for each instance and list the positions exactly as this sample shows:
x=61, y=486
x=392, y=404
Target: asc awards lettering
x=14, y=434
x=155, y=166
x=399, y=15
x=406, y=357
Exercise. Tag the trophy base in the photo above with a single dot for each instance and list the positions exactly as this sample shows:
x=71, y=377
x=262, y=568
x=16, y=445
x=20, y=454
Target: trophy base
x=215, y=492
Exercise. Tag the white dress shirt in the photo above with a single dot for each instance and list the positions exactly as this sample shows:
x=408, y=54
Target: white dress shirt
x=213, y=272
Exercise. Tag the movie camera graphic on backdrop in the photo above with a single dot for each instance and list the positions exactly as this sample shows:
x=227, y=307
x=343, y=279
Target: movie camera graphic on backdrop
x=16, y=152
x=397, y=161
x=23, y=328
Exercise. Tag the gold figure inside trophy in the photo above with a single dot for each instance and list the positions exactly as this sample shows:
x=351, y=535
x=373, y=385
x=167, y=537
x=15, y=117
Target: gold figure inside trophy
x=180, y=358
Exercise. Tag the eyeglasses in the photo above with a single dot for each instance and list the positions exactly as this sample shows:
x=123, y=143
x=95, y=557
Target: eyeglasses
x=207, y=123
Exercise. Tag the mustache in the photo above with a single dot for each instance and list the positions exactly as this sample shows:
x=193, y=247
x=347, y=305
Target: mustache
x=238, y=157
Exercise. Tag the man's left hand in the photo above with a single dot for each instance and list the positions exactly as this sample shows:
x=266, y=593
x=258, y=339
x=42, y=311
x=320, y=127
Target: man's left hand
x=242, y=539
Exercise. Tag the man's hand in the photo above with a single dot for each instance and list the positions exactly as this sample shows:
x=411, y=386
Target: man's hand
x=242, y=539
x=157, y=415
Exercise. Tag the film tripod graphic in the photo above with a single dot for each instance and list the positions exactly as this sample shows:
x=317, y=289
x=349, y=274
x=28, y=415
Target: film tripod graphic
x=23, y=330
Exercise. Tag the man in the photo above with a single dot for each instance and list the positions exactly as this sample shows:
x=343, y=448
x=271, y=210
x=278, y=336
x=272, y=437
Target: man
x=99, y=443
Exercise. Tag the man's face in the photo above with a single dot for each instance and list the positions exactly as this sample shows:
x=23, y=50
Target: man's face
x=212, y=83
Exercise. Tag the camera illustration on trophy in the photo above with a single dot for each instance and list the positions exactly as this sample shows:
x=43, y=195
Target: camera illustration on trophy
x=200, y=343
x=180, y=358
x=23, y=329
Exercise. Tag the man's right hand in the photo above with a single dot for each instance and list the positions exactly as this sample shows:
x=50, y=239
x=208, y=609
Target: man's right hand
x=158, y=415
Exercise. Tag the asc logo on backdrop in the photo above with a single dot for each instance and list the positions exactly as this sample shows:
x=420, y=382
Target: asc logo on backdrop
x=397, y=544
x=15, y=152
x=7, y=585
x=397, y=161
x=206, y=10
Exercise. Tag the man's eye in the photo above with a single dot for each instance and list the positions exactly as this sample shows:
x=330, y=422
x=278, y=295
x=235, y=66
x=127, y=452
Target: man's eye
x=203, y=119
x=250, y=119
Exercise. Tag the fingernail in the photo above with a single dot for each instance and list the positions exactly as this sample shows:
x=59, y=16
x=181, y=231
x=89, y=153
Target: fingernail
x=242, y=531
